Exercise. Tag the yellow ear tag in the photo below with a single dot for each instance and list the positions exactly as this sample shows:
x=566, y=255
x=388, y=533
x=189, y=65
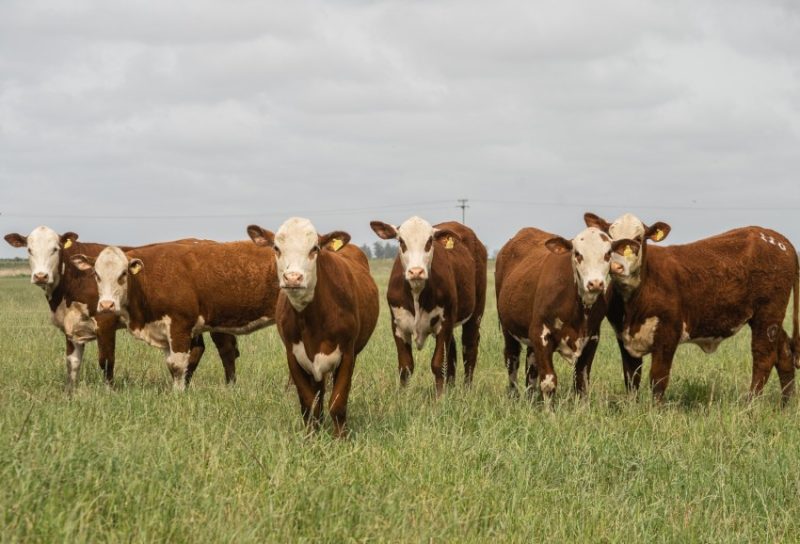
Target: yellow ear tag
x=68, y=243
x=135, y=269
x=628, y=253
x=336, y=244
x=449, y=243
x=659, y=235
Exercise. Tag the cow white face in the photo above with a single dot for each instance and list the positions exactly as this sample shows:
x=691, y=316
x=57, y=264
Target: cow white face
x=111, y=271
x=44, y=254
x=591, y=259
x=416, y=237
x=297, y=246
x=626, y=260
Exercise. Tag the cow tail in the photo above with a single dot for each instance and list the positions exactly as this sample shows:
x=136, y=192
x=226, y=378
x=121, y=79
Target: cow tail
x=796, y=314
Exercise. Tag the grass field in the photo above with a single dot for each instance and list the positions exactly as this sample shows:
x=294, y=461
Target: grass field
x=141, y=464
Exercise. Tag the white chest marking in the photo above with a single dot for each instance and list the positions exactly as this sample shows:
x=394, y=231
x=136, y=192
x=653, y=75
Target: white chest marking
x=640, y=344
x=417, y=326
x=75, y=321
x=545, y=334
x=155, y=333
x=571, y=355
x=322, y=363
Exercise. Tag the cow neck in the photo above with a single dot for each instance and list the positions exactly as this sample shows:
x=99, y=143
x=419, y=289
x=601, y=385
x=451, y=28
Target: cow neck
x=138, y=307
x=68, y=274
x=630, y=289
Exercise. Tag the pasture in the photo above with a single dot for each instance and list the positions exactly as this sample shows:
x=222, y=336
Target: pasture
x=140, y=463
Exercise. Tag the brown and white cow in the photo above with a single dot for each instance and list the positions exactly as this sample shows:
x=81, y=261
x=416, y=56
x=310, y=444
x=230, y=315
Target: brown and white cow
x=327, y=310
x=169, y=294
x=72, y=298
x=438, y=282
x=552, y=296
x=703, y=293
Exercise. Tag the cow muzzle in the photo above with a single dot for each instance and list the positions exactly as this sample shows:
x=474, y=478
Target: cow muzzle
x=595, y=286
x=416, y=274
x=617, y=268
x=106, y=306
x=40, y=278
x=292, y=280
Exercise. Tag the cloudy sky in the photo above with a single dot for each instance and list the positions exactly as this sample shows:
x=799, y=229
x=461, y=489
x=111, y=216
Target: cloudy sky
x=131, y=122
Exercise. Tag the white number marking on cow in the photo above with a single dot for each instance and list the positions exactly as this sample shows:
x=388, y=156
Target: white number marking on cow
x=771, y=240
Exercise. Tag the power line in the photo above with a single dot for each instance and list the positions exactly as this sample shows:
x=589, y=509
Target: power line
x=639, y=206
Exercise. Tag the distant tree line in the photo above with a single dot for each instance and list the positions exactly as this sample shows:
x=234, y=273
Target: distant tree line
x=380, y=250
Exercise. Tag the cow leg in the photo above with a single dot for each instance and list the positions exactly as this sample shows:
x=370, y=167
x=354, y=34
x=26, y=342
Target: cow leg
x=437, y=362
x=451, y=356
x=765, y=343
x=631, y=368
x=106, y=344
x=470, y=339
x=342, y=379
x=511, y=351
x=198, y=347
x=405, y=355
x=660, y=368
x=785, y=367
x=583, y=367
x=74, y=360
x=531, y=372
x=228, y=352
x=547, y=374
x=178, y=357
x=309, y=391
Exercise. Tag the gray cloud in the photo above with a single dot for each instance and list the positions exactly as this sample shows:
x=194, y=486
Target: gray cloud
x=211, y=115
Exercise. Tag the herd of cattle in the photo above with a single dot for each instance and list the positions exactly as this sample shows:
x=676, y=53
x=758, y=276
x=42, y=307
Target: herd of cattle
x=552, y=295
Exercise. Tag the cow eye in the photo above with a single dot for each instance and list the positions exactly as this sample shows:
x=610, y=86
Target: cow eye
x=121, y=278
x=428, y=244
x=54, y=251
x=97, y=276
x=30, y=252
x=314, y=251
x=276, y=250
x=402, y=245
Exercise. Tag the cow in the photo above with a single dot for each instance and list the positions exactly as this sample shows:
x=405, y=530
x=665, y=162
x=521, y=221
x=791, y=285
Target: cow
x=72, y=298
x=552, y=295
x=327, y=310
x=169, y=294
x=437, y=283
x=702, y=293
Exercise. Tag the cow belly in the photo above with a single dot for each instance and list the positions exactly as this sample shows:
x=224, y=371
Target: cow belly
x=321, y=364
x=409, y=326
x=155, y=333
x=76, y=322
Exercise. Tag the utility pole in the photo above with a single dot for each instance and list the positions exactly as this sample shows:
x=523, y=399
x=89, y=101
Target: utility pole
x=462, y=203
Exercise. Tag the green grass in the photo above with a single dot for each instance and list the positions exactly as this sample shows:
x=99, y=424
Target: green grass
x=141, y=464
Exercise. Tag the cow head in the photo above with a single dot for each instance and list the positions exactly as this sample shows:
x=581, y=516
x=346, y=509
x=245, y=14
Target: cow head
x=591, y=259
x=297, y=247
x=112, y=269
x=627, y=258
x=44, y=254
x=416, y=237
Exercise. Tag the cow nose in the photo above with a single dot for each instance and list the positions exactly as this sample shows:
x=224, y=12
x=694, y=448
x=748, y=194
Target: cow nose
x=596, y=286
x=40, y=277
x=617, y=268
x=106, y=305
x=293, y=279
x=416, y=273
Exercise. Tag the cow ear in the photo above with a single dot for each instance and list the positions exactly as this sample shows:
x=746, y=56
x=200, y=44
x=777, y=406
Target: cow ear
x=261, y=237
x=135, y=266
x=16, y=240
x=446, y=237
x=592, y=220
x=334, y=241
x=657, y=231
x=82, y=262
x=67, y=239
x=559, y=245
x=626, y=247
x=384, y=231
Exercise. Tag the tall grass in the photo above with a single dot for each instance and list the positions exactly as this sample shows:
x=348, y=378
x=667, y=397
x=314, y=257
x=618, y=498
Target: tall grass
x=141, y=464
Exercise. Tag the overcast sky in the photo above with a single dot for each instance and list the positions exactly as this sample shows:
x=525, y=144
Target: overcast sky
x=132, y=122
